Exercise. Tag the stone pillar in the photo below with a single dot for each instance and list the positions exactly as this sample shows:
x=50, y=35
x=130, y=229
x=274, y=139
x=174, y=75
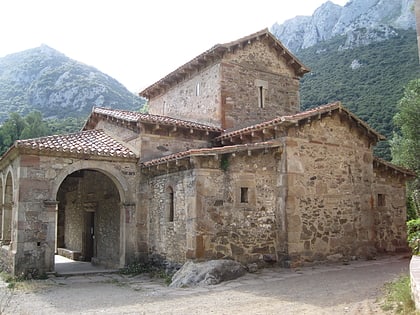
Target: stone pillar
x=6, y=227
x=282, y=191
x=50, y=245
x=128, y=233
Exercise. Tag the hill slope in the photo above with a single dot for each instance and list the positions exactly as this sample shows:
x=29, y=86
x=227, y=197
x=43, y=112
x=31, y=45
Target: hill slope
x=46, y=80
x=368, y=80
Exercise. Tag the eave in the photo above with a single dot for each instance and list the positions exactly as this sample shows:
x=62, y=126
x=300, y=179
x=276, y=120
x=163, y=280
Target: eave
x=216, y=53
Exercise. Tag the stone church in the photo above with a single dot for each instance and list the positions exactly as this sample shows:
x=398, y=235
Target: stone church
x=224, y=165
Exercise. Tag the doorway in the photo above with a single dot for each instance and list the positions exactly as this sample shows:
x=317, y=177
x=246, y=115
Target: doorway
x=88, y=223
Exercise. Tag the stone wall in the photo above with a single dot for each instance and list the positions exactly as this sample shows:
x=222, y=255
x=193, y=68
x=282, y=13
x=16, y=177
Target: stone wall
x=196, y=99
x=36, y=181
x=130, y=138
x=243, y=72
x=155, y=146
x=238, y=209
x=329, y=190
x=91, y=196
x=169, y=238
x=220, y=212
x=389, y=198
x=229, y=91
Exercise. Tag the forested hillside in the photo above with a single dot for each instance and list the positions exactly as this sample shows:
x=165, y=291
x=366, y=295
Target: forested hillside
x=45, y=80
x=368, y=80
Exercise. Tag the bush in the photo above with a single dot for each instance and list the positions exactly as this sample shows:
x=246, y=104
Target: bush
x=413, y=237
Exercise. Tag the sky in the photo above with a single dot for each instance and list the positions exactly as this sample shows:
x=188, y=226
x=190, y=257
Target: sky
x=138, y=42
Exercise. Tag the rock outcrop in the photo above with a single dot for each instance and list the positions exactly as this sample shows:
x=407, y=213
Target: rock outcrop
x=361, y=21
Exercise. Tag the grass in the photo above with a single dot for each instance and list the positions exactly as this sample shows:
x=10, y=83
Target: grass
x=398, y=297
x=145, y=268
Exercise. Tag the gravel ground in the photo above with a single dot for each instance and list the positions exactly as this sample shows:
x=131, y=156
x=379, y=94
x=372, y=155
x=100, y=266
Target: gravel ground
x=324, y=289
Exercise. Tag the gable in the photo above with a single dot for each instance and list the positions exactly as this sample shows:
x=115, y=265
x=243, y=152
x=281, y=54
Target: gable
x=215, y=54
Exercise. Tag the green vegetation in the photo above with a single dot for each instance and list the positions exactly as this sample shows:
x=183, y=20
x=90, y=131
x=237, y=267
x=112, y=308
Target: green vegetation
x=398, y=297
x=153, y=271
x=370, y=88
x=42, y=79
x=16, y=127
x=413, y=235
x=405, y=144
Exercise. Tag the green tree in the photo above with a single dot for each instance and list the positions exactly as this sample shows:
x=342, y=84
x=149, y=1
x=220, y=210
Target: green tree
x=16, y=127
x=11, y=130
x=405, y=144
x=35, y=126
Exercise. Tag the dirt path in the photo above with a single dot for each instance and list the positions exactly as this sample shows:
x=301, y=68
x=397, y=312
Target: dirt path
x=333, y=289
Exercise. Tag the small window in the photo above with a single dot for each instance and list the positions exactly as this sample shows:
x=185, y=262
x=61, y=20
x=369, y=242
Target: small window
x=170, y=204
x=381, y=200
x=197, y=89
x=262, y=87
x=261, y=96
x=244, y=194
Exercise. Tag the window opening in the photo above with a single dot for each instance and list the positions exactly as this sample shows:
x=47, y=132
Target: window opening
x=381, y=200
x=244, y=194
x=171, y=205
x=261, y=96
x=262, y=87
x=197, y=89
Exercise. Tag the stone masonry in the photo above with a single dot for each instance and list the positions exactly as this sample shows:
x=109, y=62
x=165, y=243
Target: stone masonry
x=224, y=166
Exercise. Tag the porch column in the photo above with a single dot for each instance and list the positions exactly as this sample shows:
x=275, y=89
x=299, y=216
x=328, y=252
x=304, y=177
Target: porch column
x=51, y=209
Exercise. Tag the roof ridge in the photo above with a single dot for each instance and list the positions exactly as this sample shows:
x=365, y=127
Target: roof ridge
x=160, y=119
x=299, y=67
x=299, y=116
x=394, y=166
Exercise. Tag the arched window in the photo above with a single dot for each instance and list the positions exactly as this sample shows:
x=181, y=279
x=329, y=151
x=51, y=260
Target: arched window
x=170, y=204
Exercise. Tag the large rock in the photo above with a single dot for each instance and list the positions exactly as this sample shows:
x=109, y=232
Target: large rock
x=206, y=273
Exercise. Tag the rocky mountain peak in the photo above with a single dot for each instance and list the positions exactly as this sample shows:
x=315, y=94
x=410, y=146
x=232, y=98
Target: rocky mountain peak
x=361, y=21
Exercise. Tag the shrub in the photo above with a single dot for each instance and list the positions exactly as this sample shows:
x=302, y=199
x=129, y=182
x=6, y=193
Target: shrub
x=413, y=237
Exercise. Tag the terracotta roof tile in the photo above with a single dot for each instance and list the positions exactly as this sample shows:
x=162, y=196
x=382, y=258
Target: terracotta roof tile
x=289, y=119
x=380, y=162
x=92, y=142
x=131, y=116
x=211, y=151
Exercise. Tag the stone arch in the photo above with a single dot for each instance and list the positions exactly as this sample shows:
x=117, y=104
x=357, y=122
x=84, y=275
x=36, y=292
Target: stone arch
x=89, y=217
x=112, y=173
x=7, y=213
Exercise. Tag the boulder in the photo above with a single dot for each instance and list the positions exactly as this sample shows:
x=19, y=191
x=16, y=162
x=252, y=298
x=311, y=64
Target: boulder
x=206, y=273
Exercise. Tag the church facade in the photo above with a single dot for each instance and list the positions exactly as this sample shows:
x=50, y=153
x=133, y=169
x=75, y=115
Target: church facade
x=224, y=165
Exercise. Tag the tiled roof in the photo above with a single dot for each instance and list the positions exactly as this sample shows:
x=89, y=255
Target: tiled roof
x=211, y=151
x=291, y=119
x=92, y=142
x=218, y=51
x=131, y=116
x=380, y=162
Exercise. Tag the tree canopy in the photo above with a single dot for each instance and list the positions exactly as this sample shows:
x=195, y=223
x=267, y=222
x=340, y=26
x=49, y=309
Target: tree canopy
x=16, y=128
x=405, y=144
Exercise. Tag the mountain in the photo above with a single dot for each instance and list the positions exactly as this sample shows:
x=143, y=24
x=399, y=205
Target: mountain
x=362, y=54
x=360, y=21
x=368, y=80
x=46, y=80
